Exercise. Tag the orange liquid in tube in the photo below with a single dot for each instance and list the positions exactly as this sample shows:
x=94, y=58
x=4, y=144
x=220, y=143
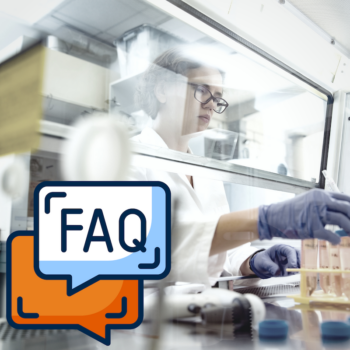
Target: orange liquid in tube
x=309, y=250
x=325, y=278
x=345, y=261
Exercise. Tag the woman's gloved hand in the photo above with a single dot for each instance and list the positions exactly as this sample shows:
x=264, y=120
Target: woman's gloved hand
x=305, y=216
x=274, y=261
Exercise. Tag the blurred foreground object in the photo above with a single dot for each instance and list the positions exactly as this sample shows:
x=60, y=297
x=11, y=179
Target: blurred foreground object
x=273, y=329
x=21, y=101
x=14, y=179
x=97, y=149
x=212, y=304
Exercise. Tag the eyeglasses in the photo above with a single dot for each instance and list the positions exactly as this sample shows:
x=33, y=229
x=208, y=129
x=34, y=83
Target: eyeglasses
x=203, y=95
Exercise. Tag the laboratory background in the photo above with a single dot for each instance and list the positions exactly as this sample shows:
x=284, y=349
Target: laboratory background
x=77, y=86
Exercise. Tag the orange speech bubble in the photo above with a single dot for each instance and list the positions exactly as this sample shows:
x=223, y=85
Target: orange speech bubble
x=35, y=303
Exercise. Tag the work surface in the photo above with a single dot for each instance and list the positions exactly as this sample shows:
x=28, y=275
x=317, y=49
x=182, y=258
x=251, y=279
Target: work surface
x=303, y=333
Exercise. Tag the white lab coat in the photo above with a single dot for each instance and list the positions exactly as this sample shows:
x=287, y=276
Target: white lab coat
x=198, y=210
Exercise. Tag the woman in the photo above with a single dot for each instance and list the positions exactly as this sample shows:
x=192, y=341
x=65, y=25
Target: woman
x=181, y=95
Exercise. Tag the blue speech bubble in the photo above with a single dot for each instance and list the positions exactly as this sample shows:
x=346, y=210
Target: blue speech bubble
x=150, y=261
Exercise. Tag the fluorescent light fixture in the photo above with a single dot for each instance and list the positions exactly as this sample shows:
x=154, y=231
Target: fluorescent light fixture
x=28, y=11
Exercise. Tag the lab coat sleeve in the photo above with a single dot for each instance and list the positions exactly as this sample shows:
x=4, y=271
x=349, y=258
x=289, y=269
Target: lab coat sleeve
x=235, y=258
x=191, y=243
x=191, y=240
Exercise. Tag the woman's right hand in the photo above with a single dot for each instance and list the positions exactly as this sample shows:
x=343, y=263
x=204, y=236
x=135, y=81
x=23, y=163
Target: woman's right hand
x=306, y=216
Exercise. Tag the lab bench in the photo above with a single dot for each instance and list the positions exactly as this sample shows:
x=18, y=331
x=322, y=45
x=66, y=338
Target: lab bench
x=304, y=333
x=190, y=333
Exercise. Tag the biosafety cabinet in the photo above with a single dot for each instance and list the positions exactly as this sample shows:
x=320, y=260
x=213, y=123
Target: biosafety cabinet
x=286, y=79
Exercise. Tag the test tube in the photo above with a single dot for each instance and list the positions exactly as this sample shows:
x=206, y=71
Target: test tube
x=334, y=250
x=330, y=183
x=345, y=261
x=336, y=282
x=325, y=281
x=309, y=249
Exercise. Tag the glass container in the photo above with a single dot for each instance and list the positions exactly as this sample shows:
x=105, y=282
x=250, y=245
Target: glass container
x=325, y=282
x=309, y=250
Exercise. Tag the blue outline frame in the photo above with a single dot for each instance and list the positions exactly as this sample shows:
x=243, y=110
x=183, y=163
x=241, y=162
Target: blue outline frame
x=70, y=290
x=109, y=327
x=68, y=278
x=21, y=313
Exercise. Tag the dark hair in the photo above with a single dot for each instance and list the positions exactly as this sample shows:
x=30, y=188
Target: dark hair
x=175, y=60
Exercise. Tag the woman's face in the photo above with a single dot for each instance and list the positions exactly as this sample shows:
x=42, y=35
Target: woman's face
x=197, y=115
x=181, y=111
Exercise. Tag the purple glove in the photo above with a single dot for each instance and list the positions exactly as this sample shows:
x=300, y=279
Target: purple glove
x=305, y=216
x=274, y=261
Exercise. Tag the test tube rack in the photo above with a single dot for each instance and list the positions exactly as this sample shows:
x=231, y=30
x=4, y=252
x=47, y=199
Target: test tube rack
x=318, y=296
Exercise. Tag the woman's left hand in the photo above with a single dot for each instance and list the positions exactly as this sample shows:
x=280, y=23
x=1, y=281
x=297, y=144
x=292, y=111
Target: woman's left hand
x=274, y=261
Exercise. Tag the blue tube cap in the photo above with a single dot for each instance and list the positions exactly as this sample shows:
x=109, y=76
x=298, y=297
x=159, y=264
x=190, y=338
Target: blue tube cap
x=341, y=233
x=273, y=329
x=335, y=330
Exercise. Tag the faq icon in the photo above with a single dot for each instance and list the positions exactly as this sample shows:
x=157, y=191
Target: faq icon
x=88, y=238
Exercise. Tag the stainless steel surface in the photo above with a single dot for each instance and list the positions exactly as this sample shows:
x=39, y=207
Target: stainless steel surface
x=191, y=334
